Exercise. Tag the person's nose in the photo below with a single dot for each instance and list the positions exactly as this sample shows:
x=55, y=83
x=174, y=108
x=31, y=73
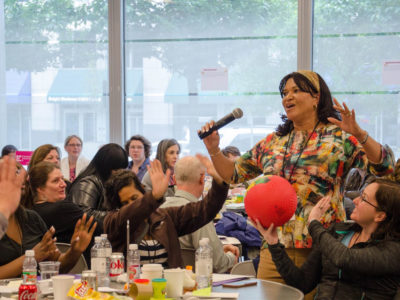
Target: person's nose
x=62, y=183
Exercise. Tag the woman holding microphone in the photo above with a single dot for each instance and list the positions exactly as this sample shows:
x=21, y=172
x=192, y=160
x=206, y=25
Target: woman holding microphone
x=314, y=148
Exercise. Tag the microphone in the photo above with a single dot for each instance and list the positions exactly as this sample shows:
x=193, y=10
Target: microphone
x=237, y=113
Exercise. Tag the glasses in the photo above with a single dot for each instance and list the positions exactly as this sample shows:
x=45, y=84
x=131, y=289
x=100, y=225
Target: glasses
x=136, y=147
x=363, y=196
x=75, y=145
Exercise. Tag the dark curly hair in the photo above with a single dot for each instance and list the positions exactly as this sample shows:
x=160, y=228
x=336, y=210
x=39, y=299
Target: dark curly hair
x=118, y=180
x=325, y=105
x=146, y=144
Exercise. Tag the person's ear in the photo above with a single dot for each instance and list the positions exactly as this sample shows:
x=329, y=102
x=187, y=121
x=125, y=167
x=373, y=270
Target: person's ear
x=202, y=178
x=380, y=216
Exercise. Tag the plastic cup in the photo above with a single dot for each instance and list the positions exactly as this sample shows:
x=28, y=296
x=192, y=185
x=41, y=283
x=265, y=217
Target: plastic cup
x=49, y=269
x=159, y=285
x=61, y=286
x=141, y=289
x=151, y=271
x=174, y=279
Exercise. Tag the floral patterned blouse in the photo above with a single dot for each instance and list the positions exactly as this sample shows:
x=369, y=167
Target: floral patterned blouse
x=320, y=170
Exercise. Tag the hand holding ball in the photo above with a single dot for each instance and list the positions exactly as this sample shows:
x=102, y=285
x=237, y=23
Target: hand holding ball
x=270, y=199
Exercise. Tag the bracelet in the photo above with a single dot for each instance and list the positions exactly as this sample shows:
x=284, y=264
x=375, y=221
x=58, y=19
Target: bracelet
x=216, y=153
x=365, y=139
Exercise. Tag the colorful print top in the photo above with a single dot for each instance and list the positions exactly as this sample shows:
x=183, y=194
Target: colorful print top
x=321, y=170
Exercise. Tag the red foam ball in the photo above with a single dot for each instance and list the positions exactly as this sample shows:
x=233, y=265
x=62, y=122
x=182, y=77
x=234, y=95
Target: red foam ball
x=270, y=199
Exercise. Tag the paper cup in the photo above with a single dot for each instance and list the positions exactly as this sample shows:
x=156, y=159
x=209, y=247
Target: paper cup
x=61, y=286
x=174, y=279
x=151, y=271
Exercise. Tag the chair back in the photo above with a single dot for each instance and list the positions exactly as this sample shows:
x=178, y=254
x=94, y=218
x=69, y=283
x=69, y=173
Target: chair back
x=80, y=265
x=244, y=268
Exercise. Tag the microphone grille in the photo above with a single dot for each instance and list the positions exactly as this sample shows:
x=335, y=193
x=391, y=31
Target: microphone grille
x=237, y=113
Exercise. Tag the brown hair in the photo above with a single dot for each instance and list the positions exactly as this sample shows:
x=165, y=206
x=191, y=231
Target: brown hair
x=38, y=176
x=146, y=144
x=388, y=199
x=40, y=153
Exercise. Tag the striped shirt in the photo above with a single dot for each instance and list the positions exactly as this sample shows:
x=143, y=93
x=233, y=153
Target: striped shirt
x=152, y=252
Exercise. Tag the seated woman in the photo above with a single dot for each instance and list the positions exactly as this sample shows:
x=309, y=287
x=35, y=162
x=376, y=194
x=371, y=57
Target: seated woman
x=49, y=153
x=46, y=195
x=87, y=191
x=155, y=229
x=350, y=260
x=168, y=151
x=26, y=230
x=74, y=163
x=139, y=150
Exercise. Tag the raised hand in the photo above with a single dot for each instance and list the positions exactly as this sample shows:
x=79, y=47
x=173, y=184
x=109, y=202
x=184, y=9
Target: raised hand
x=158, y=179
x=270, y=234
x=10, y=186
x=210, y=167
x=212, y=141
x=348, y=123
x=46, y=247
x=320, y=209
x=83, y=234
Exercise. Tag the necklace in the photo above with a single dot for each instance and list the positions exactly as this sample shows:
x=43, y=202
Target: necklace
x=298, y=157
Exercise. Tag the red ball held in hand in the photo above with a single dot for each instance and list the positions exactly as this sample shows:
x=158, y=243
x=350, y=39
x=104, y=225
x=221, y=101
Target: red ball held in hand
x=270, y=199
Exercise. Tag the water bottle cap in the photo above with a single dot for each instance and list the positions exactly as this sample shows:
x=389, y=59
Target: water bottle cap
x=30, y=253
x=133, y=246
x=97, y=239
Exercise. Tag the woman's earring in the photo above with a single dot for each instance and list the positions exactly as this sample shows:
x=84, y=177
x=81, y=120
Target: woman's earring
x=314, y=107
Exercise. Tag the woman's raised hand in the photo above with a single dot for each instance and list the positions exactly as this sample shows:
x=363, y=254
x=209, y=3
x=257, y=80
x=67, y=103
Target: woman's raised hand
x=158, y=179
x=212, y=141
x=270, y=234
x=83, y=234
x=320, y=209
x=348, y=123
x=46, y=247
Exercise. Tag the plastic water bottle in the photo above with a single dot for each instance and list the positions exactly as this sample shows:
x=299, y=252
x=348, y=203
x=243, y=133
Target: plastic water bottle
x=99, y=262
x=29, y=267
x=28, y=289
x=133, y=263
x=108, y=250
x=204, y=264
x=106, y=245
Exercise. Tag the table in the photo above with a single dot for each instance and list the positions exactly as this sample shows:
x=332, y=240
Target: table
x=264, y=290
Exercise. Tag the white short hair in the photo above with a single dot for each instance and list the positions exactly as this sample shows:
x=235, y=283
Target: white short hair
x=188, y=170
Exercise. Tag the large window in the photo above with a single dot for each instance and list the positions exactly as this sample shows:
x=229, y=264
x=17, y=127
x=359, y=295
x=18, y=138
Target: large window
x=352, y=40
x=54, y=73
x=169, y=43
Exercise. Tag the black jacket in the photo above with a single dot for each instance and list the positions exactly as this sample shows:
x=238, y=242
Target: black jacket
x=369, y=270
x=89, y=195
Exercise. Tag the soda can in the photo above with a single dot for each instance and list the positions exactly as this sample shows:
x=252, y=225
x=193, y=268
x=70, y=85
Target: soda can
x=116, y=265
x=27, y=292
x=90, y=277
